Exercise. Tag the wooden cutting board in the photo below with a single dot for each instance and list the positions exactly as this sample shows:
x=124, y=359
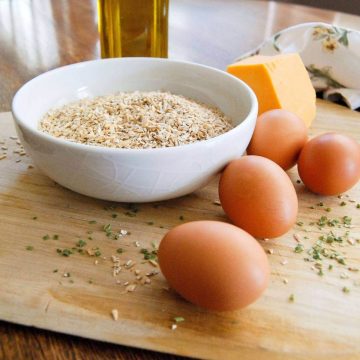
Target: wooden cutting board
x=76, y=294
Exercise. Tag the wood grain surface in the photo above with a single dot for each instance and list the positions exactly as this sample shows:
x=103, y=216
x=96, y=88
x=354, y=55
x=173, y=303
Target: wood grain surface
x=38, y=35
x=322, y=322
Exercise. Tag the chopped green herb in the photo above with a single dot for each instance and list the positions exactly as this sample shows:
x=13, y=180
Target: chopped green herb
x=81, y=243
x=315, y=252
x=55, y=237
x=55, y=270
x=299, y=223
x=347, y=220
x=34, y=217
x=89, y=232
x=92, y=222
x=114, y=216
x=299, y=248
x=90, y=238
x=343, y=203
x=181, y=217
x=320, y=204
x=179, y=319
x=333, y=222
x=330, y=238
x=149, y=255
x=64, y=252
x=341, y=261
x=320, y=272
x=330, y=267
x=358, y=206
x=46, y=237
x=71, y=281
x=120, y=250
x=316, y=255
x=107, y=227
x=346, y=290
x=97, y=253
x=29, y=248
x=322, y=221
x=150, y=223
x=328, y=209
x=90, y=281
x=291, y=298
x=311, y=207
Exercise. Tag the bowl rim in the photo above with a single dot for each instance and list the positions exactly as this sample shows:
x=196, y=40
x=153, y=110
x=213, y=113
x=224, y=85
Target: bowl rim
x=98, y=148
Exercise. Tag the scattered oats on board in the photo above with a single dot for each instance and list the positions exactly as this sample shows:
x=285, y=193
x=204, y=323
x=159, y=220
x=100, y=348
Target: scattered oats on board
x=153, y=263
x=296, y=237
x=130, y=288
x=115, y=314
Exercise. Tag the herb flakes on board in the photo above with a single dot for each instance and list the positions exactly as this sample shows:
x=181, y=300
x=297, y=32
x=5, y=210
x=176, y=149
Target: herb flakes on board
x=328, y=242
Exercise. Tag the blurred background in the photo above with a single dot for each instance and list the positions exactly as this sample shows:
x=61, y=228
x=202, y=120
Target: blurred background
x=38, y=35
x=349, y=6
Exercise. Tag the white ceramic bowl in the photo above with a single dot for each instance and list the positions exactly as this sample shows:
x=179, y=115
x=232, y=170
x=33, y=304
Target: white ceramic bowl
x=133, y=175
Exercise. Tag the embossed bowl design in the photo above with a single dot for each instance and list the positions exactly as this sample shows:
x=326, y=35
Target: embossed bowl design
x=133, y=175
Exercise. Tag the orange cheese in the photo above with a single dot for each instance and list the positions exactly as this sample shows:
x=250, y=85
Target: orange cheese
x=279, y=82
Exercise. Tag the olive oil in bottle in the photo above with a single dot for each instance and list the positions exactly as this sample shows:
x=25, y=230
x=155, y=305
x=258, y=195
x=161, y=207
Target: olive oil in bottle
x=133, y=28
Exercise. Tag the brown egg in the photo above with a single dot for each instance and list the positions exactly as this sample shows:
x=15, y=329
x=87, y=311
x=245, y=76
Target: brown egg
x=279, y=136
x=258, y=196
x=214, y=264
x=329, y=164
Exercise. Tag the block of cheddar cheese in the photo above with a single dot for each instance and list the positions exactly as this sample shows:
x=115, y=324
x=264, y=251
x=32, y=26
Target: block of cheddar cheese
x=279, y=82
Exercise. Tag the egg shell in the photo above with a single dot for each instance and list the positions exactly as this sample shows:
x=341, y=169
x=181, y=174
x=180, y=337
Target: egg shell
x=258, y=196
x=279, y=136
x=214, y=264
x=329, y=164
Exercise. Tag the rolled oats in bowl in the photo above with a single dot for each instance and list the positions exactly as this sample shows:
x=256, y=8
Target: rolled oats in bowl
x=128, y=147
x=136, y=120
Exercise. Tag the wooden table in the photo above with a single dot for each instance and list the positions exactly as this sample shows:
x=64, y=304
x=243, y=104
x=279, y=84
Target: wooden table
x=38, y=35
